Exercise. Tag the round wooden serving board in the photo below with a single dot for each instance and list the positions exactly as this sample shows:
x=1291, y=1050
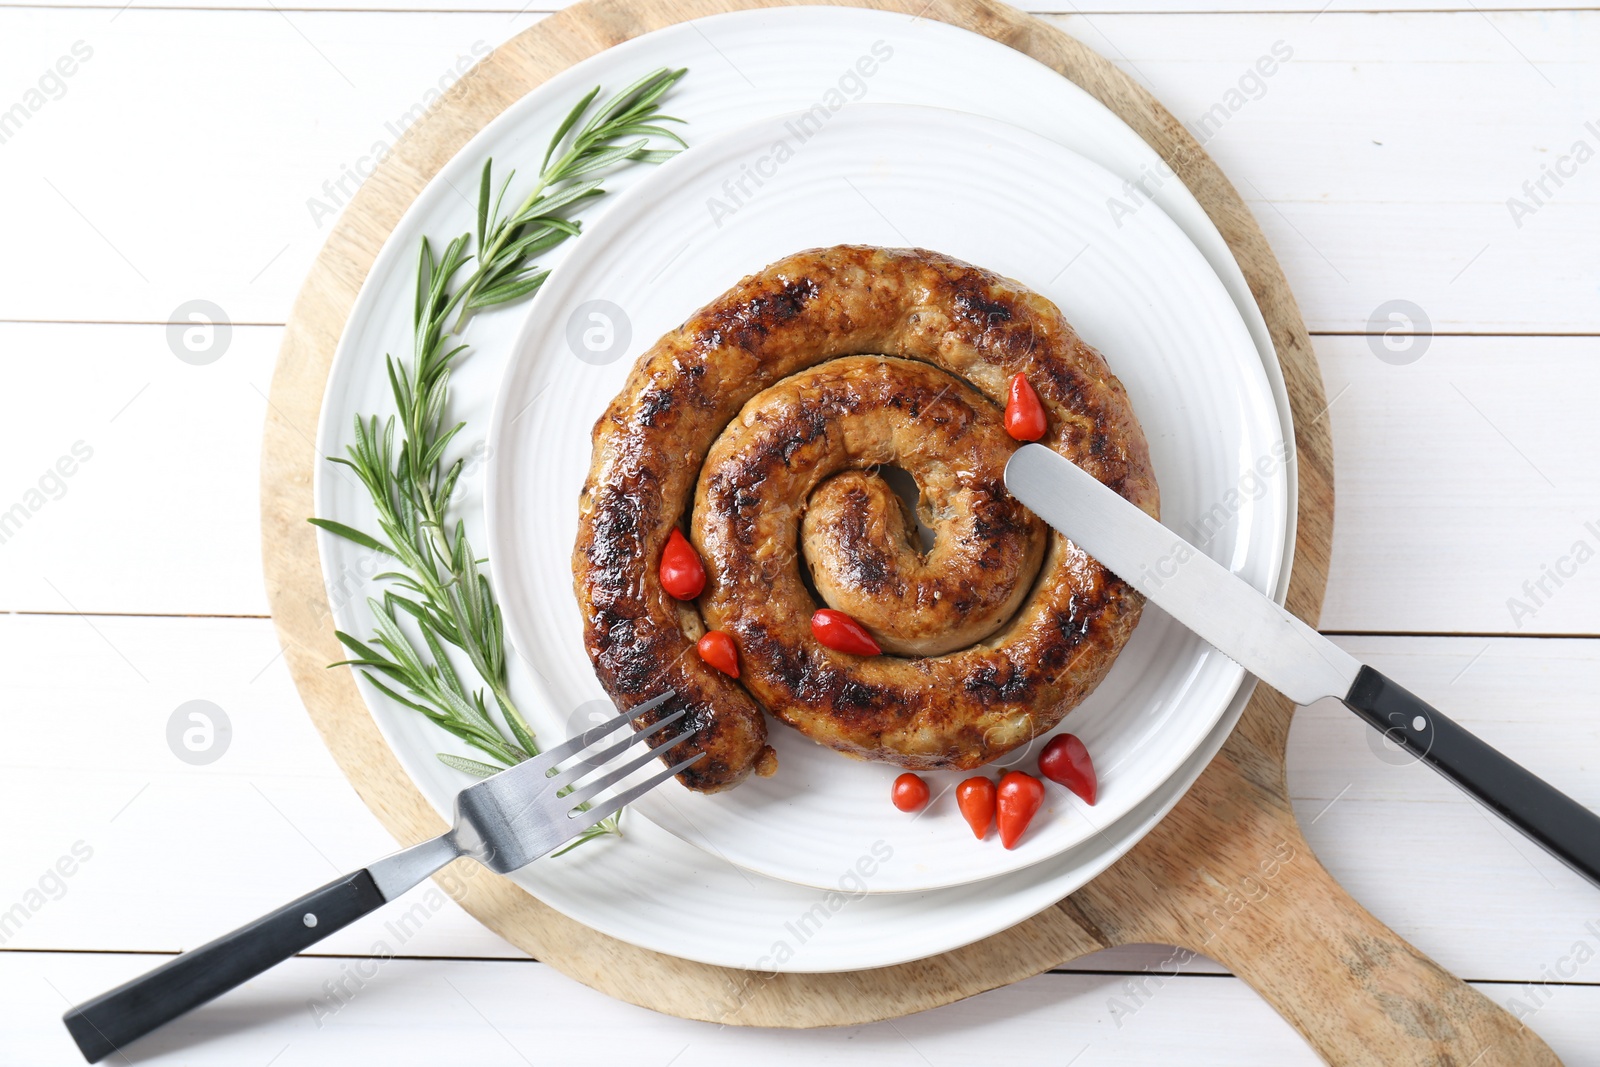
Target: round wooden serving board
x=1227, y=873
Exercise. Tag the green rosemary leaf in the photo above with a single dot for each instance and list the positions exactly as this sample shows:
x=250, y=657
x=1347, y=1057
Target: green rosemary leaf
x=641, y=94
x=477, y=739
x=519, y=729
x=547, y=206
x=606, y=157
x=424, y=284
x=351, y=534
x=494, y=210
x=407, y=605
x=407, y=701
x=541, y=240
x=567, y=123
x=471, y=766
x=362, y=661
x=484, y=184
x=569, y=227
x=355, y=645
x=508, y=292
x=395, y=642
x=436, y=450
x=643, y=129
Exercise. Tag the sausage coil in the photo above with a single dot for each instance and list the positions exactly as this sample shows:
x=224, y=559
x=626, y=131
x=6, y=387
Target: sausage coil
x=764, y=426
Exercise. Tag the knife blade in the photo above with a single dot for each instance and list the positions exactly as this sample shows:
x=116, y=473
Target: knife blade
x=1291, y=657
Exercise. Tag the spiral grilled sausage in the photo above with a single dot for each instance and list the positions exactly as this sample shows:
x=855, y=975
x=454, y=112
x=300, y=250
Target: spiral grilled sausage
x=771, y=410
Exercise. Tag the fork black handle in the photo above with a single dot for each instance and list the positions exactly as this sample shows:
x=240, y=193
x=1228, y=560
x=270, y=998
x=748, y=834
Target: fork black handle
x=1564, y=828
x=103, y=1025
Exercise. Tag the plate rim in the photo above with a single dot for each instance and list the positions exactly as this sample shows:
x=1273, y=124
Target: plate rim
x=736, y=143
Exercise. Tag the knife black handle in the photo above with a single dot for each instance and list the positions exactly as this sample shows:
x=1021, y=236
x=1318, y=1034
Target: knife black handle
x=1563, y=827
x=103, y=1025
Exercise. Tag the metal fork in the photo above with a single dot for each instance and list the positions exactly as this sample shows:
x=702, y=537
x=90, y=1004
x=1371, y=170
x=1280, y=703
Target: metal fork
x=504, y=822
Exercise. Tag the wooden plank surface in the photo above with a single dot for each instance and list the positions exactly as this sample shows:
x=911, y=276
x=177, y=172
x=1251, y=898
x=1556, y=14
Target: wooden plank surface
x=277, y=817
x=1379, y=159
x=253, y=111
x=1422, y=450
x=509, y=1013
x=294, y=838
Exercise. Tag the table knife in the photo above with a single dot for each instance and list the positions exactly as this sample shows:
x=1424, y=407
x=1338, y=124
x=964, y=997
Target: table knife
x=1288, y=655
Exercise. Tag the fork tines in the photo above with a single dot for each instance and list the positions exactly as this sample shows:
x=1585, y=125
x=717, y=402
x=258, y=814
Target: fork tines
x=615, y=804
x=552, y=756
x=571, y=777
x=591, y=789
x=570, y=774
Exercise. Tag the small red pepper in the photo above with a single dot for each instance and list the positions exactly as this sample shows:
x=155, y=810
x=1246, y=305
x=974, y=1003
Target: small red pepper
x=975, y=798
x=838, y=631
x=718, y=649
x=909, y=792
x=1065, y=760
x=1024, y=412
x=682, y=574
x=1018, y=798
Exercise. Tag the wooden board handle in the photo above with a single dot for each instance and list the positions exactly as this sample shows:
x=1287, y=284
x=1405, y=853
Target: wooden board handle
x=1229, y=876
x=1357, y=991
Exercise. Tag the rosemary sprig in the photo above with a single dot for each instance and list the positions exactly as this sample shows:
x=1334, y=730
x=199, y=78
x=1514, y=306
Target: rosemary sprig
x=437, y=582
x=620, y=130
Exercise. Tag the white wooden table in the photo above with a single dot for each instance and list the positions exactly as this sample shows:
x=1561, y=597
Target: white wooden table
x=196, y=153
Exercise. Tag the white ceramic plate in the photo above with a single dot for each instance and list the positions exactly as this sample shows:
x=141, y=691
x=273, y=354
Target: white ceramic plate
x=985, y=192
x=656, y=890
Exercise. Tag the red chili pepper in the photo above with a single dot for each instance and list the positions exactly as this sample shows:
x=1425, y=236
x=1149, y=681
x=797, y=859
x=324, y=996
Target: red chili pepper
x=682, y=574
x=909, y=792
x=975, y=798
x=1024, y=412
x=718, y=649
x=1065, y=760
x=1017, y=800
x=840, y=632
